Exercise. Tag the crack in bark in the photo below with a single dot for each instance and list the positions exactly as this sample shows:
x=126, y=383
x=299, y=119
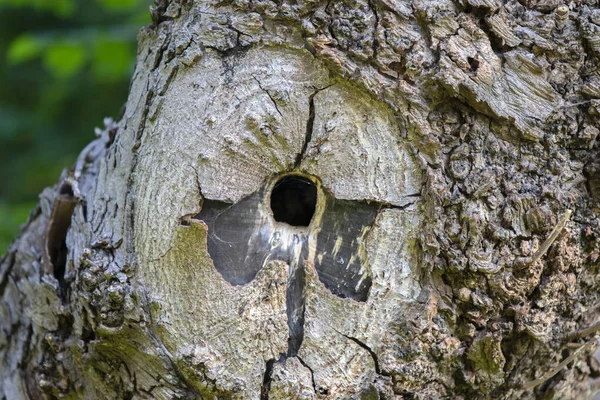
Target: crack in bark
x=402, y=207
x=26, y=348
x=10, y=263
x=309, y=129
x=312, y=373
x=368, y=349
x=268, y=94
x=266, y=386
x=55, y=252
x=167, y=83
x=309, y=126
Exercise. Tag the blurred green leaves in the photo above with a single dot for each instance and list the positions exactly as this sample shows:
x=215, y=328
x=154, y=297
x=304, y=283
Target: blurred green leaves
x=64, y=58
x=64, y=66
x=12, y=216
x=119, y=5
x=58, y=7
x=108, y=55
x=24, y=48
x=66, y=8
x=111, y=58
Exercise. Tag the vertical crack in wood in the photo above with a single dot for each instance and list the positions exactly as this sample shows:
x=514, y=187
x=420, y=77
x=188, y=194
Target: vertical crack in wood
x=312, y=373
x=7, y=263
x=309, y=129
x=266, y=386
x=309, y=125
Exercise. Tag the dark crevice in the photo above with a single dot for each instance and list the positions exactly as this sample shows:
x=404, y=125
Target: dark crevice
x=402, y=207
x=9, y=259
x=309, y=126
x=312, y=373
x=170, y=78
x=157, y=11
x=332, y=33
x=66, y=189
x=26, y=348
x=496, y=42
x=309, y=129
x=473, y=64
x=329, y=12
x=87, y=332
x=56, y=236
x=266, y=385
x=161, y=53
x=371, y=352
x=142, y=124
x=268, y=94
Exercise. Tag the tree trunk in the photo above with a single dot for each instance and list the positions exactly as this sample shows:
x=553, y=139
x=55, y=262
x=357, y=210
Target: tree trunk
x=325, y=200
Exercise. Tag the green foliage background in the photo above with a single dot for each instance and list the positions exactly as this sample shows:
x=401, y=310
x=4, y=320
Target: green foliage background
x=64, y=66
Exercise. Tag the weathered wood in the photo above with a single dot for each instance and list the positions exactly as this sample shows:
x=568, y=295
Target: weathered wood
x=441, y=141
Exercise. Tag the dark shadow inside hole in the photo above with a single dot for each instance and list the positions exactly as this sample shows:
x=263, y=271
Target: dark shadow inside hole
x=473, y=64
x=56, y=235
x=293, y=200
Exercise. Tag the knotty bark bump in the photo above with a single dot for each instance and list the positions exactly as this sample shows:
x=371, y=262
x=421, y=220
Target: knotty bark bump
x=453, y=250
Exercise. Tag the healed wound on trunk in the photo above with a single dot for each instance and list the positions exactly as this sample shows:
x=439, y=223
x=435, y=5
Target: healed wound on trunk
x=292, y=219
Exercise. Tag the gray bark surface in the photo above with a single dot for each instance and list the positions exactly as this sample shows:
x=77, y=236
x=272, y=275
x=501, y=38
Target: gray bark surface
x=453, y=251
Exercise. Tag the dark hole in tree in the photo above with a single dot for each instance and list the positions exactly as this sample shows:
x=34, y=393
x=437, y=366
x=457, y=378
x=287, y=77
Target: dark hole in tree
x=293, y=200
x=473, y=64
x=56, y=244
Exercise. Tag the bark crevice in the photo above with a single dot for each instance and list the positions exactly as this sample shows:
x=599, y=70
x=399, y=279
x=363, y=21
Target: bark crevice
x=309, y=126
x=268, y=94
x=266, y=384
x=369, y=350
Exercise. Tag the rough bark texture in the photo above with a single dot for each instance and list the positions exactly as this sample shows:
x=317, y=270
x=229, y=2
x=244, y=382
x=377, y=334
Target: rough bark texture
x=453, y=250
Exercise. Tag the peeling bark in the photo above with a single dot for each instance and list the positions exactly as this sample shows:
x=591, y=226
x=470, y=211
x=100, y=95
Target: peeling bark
x=451, y=251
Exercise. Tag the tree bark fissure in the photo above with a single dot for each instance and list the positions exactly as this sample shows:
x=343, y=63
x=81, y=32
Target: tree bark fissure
x=268, y=94
x=370, y=351
x=309, y=128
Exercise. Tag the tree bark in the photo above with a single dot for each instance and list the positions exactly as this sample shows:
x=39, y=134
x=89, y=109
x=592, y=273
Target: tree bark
x=304, y=199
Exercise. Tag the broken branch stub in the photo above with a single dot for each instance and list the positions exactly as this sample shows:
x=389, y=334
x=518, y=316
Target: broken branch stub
x=290, y=216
